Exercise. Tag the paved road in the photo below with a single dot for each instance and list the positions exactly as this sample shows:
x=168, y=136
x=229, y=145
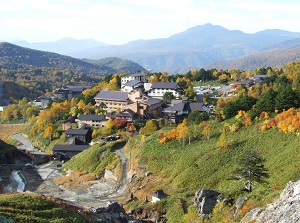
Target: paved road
x=26, y=145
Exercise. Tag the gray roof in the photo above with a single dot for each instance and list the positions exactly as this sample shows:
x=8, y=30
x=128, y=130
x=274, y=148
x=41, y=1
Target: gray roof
x=164, y=85
x=112, y=95
x=77, y=131
x=71, y=148
x=175, y=101
x=175, y=107
x=44, y=97
x=195, y=106
x=136, y=74
x=152, y=101
x=159, y=194
x=126, y=113
x=132, y=83
x=91, y=117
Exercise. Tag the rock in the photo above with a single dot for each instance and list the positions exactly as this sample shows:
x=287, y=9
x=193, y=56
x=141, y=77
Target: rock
x=240, y=202
x=251, y=215
x=228, y=201
x=286, y=208
x=205, y=201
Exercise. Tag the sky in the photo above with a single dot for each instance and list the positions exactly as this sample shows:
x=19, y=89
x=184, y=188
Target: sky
x=121, y=21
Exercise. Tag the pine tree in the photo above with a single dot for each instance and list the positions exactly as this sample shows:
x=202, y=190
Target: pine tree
x=251, y=168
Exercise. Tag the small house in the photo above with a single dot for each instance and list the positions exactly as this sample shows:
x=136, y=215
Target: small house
x=158, y=195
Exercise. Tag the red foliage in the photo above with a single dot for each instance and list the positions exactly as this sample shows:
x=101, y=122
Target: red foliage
x=119, y=123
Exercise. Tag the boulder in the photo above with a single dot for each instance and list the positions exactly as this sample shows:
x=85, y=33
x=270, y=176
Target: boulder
x=240, y=202
x=284, y=210
x=205, y=200
x=251, y=215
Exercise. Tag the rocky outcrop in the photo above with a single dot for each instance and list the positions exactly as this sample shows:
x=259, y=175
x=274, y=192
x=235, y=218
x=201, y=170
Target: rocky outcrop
x=149, y=215
x=205, y=201
x=284, y=210
x=113, y=213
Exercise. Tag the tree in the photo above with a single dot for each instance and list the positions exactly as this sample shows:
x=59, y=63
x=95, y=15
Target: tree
x=224, y=142
x=49, y=132
x=168, y=97
x=203, y=116
x=120, y=123
x=150, y=127
x=266, y=102
x=251, y=168
x=193, y=115
x=285, y=98
x=183, y=131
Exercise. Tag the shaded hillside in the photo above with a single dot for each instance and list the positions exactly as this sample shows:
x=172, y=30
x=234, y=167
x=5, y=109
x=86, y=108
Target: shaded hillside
x=14, y=57
x=195, y=47
x=270, y=58
x=118, y=64
x=35, y=208
x=31, y=73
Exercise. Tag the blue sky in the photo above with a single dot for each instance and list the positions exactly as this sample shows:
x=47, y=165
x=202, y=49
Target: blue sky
x=122, y=21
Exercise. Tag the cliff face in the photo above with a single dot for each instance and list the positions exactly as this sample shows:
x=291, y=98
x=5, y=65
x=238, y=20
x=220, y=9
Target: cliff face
x=284, y=210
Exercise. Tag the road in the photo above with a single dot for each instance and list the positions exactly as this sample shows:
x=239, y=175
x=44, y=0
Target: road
x=26, y=145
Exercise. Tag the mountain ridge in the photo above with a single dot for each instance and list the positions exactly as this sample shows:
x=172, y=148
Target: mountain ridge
x=196, y=47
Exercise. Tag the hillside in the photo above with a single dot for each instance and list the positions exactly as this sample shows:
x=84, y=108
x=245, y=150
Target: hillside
x=15, y=57
x=267, y=58
x=118, y=64
x=195, y=47
x=34, y=208
x=182, y=170
x=30, y=73
x=62, y=46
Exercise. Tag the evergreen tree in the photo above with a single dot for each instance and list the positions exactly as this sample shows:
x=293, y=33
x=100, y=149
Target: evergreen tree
x=251, y=168
x=285, y=98
x=266, y=102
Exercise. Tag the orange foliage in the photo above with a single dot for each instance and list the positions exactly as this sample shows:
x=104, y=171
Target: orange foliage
x=287, y=121
x=245, y=209
x=244, y=117
x=172, y=134
x=164, y=140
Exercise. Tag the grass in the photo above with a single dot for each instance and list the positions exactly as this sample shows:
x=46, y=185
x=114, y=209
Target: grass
x=186, y=169
x=35, y=209
x=95, y=159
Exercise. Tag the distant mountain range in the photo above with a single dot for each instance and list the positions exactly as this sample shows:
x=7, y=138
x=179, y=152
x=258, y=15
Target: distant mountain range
x=197, y=47
x=14, y=57
x=63, y=46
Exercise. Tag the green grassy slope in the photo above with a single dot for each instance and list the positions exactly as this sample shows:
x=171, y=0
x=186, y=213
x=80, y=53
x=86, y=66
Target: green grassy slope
x=186, y=169
x=34, y=209
x=95, y=159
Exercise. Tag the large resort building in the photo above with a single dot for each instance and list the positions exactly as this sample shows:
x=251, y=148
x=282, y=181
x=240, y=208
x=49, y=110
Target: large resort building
x=136, y=101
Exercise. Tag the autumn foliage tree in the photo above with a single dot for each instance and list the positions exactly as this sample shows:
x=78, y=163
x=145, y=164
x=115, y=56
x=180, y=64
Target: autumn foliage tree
x=119, y=123
x=149, y=128
x=183, y=131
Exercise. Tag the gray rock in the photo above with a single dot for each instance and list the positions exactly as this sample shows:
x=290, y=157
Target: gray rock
x=205, y=201
x=240, y=202
x=251, y=215
x=286, y=208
